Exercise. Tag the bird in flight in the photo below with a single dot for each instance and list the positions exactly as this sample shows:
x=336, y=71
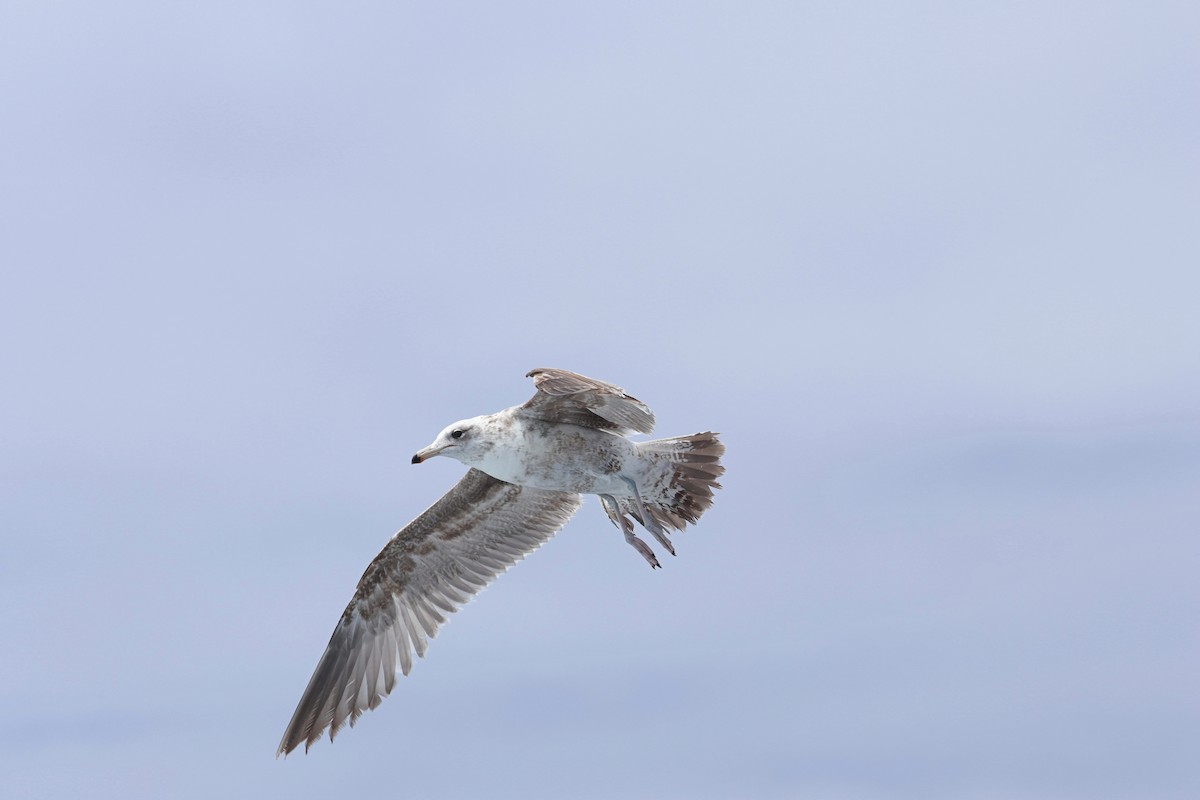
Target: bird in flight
x=529, y=464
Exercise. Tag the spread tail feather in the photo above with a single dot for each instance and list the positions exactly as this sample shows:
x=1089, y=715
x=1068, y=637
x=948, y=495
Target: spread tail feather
x=678, y=493
x=695, y=467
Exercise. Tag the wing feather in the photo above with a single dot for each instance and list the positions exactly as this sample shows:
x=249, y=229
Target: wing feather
x=436, y=563
x=575, y=399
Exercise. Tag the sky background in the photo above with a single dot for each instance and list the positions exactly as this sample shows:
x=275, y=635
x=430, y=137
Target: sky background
x=932, y=270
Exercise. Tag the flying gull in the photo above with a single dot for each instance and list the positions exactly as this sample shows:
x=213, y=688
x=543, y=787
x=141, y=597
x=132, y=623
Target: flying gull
x=529, y=464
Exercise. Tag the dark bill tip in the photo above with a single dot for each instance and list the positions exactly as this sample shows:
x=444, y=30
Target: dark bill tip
x=416, y=459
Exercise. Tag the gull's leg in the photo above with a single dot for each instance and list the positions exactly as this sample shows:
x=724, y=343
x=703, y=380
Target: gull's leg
x=648, y=521
x=613, y=509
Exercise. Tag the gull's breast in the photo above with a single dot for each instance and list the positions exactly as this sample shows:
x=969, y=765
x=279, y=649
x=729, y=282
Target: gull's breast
x=566, y=458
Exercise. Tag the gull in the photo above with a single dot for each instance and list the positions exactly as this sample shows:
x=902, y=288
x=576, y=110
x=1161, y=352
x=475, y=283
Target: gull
x=528, y=467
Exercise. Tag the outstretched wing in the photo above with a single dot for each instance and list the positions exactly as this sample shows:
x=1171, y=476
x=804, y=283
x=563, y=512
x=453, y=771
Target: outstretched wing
x=429, y=569
x=577, y=400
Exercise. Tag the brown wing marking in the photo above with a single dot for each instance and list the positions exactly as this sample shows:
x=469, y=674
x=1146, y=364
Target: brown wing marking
x=429, y=569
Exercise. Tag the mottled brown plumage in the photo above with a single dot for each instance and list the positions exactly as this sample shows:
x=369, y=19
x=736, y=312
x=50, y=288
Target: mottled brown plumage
x=429, y=569
x=529, y=465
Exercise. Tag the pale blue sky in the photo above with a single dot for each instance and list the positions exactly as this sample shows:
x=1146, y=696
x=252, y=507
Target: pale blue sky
x=930, y=269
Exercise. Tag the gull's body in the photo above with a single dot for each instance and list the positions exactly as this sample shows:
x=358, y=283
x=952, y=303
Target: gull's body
x=547, y=455
x=529, y=466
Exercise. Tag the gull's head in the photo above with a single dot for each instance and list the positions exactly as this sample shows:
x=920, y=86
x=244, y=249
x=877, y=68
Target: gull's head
x=463, y=441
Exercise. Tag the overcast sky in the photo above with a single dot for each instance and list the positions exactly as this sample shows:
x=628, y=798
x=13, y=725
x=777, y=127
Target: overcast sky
x=932, y=270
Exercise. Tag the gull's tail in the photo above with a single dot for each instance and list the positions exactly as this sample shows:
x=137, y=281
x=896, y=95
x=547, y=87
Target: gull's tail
x=696, y=465
x=672, y=485
x=684, y=490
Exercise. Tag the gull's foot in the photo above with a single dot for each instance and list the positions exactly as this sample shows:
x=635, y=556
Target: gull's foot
x=613, y=508
x=645, y=550
x=661, y=535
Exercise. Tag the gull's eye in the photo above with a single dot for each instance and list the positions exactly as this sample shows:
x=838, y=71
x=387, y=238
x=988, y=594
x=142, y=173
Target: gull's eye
x=456, y=434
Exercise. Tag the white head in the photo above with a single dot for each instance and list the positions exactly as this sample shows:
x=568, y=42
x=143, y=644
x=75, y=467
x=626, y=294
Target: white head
x=465, y=440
